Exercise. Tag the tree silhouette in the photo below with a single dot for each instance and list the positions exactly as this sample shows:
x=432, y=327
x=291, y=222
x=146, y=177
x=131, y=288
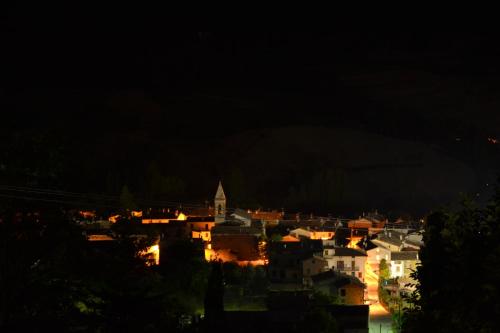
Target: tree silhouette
x=214, y=296
x=460, y=264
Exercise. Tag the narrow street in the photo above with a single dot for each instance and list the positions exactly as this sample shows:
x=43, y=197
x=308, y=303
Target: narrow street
x=380, y=318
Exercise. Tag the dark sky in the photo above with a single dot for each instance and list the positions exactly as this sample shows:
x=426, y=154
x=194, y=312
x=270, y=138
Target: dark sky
x=437, y=89
x=453, y=72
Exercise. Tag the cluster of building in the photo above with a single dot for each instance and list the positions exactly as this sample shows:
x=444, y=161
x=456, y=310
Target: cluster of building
x=302, y=254
x=399, y=248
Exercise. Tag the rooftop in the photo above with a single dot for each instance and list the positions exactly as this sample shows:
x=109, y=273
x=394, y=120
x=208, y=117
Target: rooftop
x=337, y=278
x=404, y=255
x=391, y=237
x=345, y=251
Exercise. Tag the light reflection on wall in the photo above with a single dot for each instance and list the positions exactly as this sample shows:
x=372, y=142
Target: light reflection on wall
x=227, y=256
x=152, y=255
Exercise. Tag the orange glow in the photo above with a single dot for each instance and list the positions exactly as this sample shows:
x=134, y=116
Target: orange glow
x=226, y=256
x=324, y=235
x=205, y=235
x=152, y=255
x=136, y=213
x=96, y=238
x=87, y=214
x=148, y=221
x=289, y=238
x=181, y=217
x=113, y=218
x=353, y=241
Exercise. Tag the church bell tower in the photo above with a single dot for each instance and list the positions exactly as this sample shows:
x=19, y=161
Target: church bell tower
x=220, y=205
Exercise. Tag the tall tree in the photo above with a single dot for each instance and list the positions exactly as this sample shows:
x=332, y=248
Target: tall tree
x=460, y=262
x=214, y=296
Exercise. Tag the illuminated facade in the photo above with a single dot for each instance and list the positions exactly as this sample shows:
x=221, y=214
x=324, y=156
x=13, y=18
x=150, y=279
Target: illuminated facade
x=349, y=289
x=345, y=260
x=220, y=204
x=205, y=235
x=312, y=234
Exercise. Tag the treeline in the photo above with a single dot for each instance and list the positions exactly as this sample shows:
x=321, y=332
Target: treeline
x=457, y=289
x=53, y=280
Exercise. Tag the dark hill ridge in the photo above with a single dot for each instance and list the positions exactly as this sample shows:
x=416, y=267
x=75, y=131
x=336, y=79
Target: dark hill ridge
x=344, y=169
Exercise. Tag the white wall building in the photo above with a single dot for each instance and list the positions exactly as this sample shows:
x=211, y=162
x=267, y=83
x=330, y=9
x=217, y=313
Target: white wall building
x=345, y=260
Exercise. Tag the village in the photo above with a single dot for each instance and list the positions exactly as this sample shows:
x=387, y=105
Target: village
x=363, y=266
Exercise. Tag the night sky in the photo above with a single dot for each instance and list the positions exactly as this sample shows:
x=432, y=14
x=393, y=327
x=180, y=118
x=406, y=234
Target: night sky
x=397, y=122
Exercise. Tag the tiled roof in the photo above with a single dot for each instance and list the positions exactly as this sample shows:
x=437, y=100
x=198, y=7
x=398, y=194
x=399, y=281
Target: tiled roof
x=404, y=255
x=337, y=278
x=242, y=213
x=345, y=251
x=391, y=237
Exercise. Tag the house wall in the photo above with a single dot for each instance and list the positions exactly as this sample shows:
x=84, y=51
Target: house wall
x=205, y=235
x=313, y=266
x=297, y=233
x=322, y=235
x=148, y=221
x=397, y=268
x=358, y=269
x=377, y=254
x=201, y=225
x=402, y=268
x=354, y=294
x=312, y=234
x=244, y=247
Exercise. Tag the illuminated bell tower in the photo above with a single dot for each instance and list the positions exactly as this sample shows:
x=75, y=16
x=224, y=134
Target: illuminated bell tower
x=220, y=205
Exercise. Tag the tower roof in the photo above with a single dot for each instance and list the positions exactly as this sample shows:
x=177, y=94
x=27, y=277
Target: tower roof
x=220, y=193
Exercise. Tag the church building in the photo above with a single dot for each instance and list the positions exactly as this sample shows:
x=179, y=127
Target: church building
x=220, y=205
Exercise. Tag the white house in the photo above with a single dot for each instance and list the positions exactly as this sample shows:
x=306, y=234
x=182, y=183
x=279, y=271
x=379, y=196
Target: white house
x=402, y=263
x=390, y=239
x=345, y=260
x=313, y=233
x=378, y=253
